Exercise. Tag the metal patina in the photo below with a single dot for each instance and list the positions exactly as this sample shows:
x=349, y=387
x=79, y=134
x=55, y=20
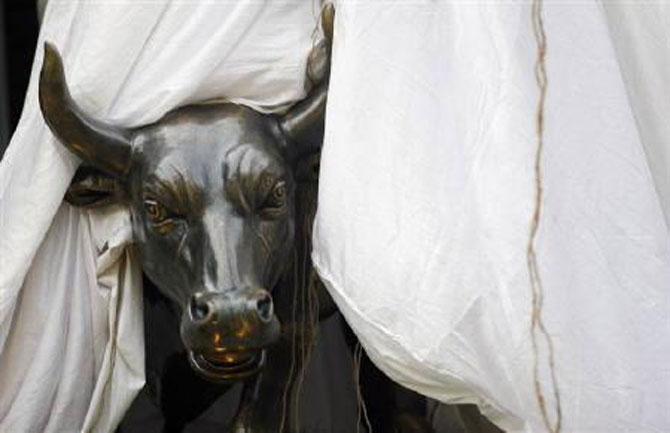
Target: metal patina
x=211, y=192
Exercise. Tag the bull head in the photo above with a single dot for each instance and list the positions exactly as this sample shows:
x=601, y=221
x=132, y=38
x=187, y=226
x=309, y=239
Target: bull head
x=211, y=194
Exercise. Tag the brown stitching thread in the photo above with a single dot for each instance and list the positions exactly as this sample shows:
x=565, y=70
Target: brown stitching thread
x=537, y=324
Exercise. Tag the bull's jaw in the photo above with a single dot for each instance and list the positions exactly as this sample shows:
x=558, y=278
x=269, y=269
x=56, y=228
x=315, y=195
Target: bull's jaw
x=228, y=367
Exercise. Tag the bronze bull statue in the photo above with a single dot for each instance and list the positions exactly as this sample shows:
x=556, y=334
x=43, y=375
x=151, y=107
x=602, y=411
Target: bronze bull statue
x=221, y=199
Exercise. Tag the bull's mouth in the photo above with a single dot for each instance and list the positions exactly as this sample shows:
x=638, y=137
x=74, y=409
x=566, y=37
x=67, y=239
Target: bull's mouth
x=227, y=367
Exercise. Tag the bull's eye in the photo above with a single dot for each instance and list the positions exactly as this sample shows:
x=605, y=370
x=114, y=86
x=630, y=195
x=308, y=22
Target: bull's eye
x=159, y=216
x=155, y=211
x=275, y=202
x=278, y=194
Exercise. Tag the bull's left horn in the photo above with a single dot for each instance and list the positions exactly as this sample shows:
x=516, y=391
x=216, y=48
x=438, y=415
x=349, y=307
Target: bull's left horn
x=105, y=147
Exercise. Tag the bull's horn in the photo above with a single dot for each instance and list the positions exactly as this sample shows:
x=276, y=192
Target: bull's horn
x=105, y=147
x=303, y=124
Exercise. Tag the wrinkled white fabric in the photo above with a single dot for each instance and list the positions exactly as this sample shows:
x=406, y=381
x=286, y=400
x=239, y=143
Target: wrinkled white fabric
x=71, y=343
x=427, y=192
x=641, y=36
x=78, y=314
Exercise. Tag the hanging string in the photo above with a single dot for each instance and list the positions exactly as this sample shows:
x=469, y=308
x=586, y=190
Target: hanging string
x=304, y=322
x=362, y=414
x=289, y=379
x=309, y=320
x=306, y=280
x=537, y=328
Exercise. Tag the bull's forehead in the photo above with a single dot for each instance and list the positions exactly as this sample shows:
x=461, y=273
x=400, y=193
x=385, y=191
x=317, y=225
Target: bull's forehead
x=211, y=141
x=205, y=154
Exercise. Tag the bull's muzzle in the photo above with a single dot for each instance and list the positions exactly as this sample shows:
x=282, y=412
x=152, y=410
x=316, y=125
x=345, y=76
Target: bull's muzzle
x=226, y=333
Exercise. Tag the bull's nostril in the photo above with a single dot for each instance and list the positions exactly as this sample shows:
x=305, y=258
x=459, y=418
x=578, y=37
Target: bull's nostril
x=264, y=308
x=199, y=309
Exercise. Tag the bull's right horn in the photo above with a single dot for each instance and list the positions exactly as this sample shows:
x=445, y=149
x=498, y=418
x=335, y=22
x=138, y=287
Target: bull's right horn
x=105, y=147
x=303, y=124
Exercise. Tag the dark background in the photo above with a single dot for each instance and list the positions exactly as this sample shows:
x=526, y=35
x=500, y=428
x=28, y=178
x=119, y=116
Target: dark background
x=18, y=38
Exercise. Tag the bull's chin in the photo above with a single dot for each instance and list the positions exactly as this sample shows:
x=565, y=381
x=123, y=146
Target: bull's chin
x=227, y=367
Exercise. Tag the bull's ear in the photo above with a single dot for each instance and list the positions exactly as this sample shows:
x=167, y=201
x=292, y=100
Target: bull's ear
x=92, y=188
x=100, y=145
x=302, y=126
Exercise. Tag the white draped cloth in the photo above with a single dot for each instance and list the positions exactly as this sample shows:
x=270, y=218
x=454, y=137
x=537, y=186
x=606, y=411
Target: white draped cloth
x=71, y=337
x=427, y=191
